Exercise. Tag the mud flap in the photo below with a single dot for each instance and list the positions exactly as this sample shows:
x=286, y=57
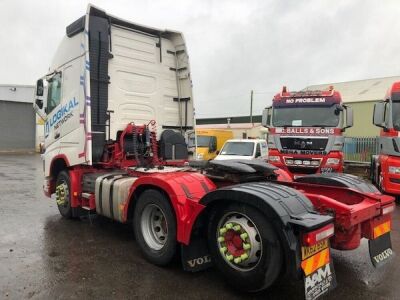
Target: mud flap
x=380, y=250
x=195, y=256
x=320, y=282
x=319, y=274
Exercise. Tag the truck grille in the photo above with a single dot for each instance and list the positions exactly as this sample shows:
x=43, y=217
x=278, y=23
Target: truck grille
x=300, y=170
x=296, y=143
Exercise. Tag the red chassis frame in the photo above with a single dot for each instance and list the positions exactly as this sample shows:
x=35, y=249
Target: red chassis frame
x=356, y=214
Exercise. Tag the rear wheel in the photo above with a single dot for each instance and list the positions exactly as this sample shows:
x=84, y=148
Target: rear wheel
x=154, y=226
x=63, y=194
x=244, y=247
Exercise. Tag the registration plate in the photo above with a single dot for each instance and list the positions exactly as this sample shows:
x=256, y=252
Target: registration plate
x=310, y=251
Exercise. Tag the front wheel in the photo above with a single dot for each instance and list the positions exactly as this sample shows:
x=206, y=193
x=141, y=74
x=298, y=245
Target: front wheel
x=154, y=226
x=63, y=194
x=244, y=247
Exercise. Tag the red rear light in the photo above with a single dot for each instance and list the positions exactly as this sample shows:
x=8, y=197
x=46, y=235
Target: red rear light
x=313, y=237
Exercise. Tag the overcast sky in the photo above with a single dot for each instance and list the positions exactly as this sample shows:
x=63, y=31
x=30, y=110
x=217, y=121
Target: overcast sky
x=234, y=46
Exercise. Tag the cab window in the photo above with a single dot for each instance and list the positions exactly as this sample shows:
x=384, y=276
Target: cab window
x=54, y=92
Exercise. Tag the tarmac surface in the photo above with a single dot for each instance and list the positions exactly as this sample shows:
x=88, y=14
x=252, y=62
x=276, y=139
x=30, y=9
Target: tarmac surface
x=43, y=256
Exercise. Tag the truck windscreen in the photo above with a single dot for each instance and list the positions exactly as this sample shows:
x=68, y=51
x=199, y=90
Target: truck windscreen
x=301, y=116
x=396, y=115
x=238, y=148
x=203, y=141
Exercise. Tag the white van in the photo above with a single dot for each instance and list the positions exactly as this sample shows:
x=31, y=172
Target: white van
x=244, y=149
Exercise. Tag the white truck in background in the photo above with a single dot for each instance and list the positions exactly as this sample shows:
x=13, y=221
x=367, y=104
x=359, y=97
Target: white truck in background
x=244, y=149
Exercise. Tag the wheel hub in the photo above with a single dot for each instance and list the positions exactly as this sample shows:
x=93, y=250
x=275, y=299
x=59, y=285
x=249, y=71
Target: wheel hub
x=239, y=241
x=154, y=227
x=62, y=194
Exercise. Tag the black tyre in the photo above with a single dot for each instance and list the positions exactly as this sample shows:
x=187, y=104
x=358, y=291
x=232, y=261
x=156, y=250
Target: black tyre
x=244, y=247
x=154, y=225
x=63, y=194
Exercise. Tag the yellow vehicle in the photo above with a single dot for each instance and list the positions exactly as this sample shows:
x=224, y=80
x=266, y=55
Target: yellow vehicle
x=210, y=142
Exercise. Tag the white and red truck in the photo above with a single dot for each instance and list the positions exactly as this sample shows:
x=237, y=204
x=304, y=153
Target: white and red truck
x=117, y=102
x=385, y=166
x=306, y=131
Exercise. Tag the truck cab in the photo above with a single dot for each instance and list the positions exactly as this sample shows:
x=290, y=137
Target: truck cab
x=385, y=166
x=106, y=73
x=244, y=149
x=306, y=131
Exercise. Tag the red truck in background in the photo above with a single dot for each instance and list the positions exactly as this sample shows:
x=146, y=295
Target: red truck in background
x=385, y=167
x=306, y=131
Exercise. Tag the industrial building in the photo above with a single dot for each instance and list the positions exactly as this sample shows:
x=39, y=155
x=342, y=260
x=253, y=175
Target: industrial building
x=18, y=120
x=241, y=127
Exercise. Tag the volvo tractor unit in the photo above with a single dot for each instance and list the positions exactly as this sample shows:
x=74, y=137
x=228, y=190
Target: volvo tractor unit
x=117, y=103
x=385, y=167
x=306, y=131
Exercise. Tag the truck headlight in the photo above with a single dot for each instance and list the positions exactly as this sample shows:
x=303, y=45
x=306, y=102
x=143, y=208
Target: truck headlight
x=274, y=158
x=394, y=170
x=199, y=156
x=289, y=161
x=333, y=161
x=315, y=163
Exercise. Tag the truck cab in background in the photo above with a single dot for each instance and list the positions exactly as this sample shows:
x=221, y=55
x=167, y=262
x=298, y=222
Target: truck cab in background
x=385, y=166
x=306, y=131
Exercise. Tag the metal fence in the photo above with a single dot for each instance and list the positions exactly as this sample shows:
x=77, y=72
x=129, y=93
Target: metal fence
x=360, y=149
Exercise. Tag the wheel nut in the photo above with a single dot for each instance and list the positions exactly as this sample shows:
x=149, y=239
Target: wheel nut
x=237, y=260
x=229, y=226
x=229, y=257
x=244, y=236
x=222, y=250
x=236, y=227
x=222, y=231
x=246, y=246
x=221, y=239
x=244, y=256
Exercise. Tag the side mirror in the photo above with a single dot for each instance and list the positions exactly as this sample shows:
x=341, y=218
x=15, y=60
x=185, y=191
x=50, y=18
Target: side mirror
x=349, y=117
x=266, y=117
x=39, y=88
x=39, y=103
x=379, y=115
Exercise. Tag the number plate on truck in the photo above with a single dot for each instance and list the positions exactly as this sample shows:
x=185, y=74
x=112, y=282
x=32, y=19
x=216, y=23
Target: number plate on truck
x=309, y=251
x=380, y=249
x=319, y=274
